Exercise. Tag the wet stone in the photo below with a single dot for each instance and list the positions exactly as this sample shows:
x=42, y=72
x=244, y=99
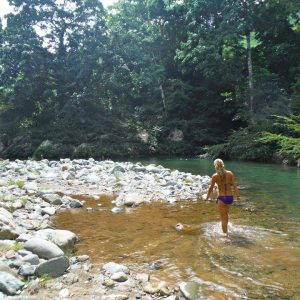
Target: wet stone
x=190, y=290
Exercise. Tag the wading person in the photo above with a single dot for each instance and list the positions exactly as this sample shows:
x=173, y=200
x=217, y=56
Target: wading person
x=226, y=183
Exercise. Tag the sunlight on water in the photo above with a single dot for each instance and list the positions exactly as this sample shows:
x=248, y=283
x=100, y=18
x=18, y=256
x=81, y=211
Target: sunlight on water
x=259, y=260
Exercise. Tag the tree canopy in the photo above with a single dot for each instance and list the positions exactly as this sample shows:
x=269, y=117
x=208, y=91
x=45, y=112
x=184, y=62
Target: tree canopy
x=145, y=77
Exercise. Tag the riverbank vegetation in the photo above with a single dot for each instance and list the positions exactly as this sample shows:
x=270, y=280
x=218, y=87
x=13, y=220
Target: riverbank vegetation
x=153, y=77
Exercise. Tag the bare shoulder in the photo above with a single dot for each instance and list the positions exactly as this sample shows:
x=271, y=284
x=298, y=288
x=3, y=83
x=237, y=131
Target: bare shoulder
x=230, y=173
x=214, y=176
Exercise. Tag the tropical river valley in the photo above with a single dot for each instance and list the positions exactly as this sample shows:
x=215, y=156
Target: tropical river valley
x=261, y=260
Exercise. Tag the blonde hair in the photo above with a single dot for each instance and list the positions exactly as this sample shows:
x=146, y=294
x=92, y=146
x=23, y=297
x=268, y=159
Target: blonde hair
x=220, y=167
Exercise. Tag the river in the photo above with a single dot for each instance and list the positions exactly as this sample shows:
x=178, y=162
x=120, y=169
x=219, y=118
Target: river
x=260, y=261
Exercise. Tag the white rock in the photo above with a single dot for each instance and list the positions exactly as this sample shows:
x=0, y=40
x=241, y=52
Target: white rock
x=92, y=178
x=48, y=211
x=8, y=227
x=64, y=293
x=119, y=277
x=113, y=267
x=31, y=186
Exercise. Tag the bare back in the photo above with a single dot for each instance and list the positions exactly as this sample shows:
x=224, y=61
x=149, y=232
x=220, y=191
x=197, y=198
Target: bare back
x=224, y=184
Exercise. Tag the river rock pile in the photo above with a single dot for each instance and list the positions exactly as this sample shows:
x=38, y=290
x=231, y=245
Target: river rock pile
x=32, y=191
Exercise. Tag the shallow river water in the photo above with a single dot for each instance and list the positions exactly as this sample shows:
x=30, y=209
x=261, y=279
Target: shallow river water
x=261, y=260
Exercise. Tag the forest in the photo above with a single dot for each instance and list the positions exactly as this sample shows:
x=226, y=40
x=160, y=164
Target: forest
x=151, y=78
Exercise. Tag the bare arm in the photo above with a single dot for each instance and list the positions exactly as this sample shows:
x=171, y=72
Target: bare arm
x=236, y=190
x=212, y=184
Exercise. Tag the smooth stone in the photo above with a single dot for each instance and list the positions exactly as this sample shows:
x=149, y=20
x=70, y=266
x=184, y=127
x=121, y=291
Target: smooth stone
x=113, y=267
x=6, y=244
x=32, y=259
x=23, y=252
x=142, y=277
x=31, y=186
x=53, y=267
x=43, y=248
x=10, y=254
x=190, y=290
x=9, y=284
x=80, y=258
x=119, y=277
x=150, y=289
x=108, y=282
x=27, y=270
x=75, y=203
x=23, y=237
x=52, y=199
x=8, y=227
x=117, y=210
x=48, y=211
x=64, y=239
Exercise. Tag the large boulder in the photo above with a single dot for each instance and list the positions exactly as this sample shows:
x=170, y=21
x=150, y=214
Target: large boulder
x=54, y=267
x=9, y=284
x=43, y=248
x=8, y=228
x=64, y=239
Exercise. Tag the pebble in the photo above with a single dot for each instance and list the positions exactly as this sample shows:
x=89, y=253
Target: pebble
x=64, y=293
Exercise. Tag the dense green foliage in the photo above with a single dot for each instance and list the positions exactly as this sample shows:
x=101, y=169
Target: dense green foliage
x=150, y=77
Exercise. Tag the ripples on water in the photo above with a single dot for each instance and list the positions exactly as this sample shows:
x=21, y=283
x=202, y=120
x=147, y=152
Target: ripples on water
x=261, y=260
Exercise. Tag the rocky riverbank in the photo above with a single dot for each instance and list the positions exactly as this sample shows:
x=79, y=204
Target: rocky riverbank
x=36, y=259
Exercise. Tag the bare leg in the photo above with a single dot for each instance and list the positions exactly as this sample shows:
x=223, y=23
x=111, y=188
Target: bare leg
x=223, y=210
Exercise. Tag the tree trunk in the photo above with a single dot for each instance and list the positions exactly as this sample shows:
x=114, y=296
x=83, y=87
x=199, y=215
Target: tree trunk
x=163, y=98
x=250, y=73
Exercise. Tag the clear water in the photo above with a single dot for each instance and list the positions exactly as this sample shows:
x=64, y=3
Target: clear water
x=260, y=261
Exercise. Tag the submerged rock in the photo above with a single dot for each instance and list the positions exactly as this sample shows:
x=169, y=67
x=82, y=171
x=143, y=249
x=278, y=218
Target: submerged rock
x=191, y=290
